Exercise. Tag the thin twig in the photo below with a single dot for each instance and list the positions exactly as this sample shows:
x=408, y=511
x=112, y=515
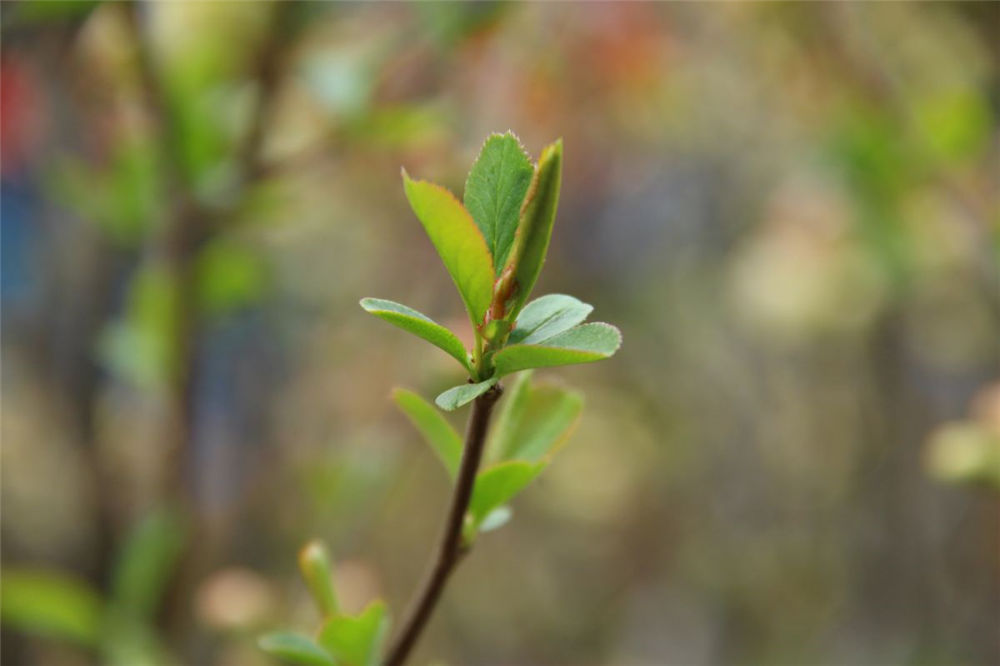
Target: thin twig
x=450, y=548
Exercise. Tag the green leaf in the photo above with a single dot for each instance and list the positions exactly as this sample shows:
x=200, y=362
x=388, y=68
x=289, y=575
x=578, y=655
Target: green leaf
x=441, y=436
x=547, y=316
x=534, y=421
x=498, y=484
x=463, y=394
x=495, y=190
x=356, y=640
x=535, y=228
x=420, y=325
x=228, y=276
x=295, y=648
x=458, y=241
x=50, y=604
x=582, y=344
x=317, y=571
x=145, y=563
x=138, y=347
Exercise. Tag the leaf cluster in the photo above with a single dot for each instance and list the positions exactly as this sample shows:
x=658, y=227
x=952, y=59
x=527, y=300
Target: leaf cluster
x=493, y=246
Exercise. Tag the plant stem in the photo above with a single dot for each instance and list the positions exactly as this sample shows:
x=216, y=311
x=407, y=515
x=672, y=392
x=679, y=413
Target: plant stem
x=450, y=548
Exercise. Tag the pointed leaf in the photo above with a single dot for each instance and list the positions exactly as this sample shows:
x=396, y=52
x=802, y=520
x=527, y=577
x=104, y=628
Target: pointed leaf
x=535, y=422
x=441, y=436
x=495, y=190
x=463, y=394
x=547, y=316
x=317, y=570
x=146, y=561
x=420, y=325
x=51, y=604
x=582, y=344
x=357, y=641
x=535, y=228
x=458, y=241
x=497, y=485
x=296, y=649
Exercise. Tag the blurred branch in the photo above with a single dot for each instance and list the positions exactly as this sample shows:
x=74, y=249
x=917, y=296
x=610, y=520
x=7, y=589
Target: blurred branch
x=190, y=225
x=450, y=548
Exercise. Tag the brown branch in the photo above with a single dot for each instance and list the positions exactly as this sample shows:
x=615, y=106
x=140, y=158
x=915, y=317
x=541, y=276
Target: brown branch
x=450, y=548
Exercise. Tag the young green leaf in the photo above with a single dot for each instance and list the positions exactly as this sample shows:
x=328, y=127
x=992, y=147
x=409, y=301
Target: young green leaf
x=433, y=426
x=547, y=316
x=317, y=570
x=535, y=422
x=582, y=344
x=420, y=325
x=356, y=641
x=494, y=192
x=498, y=484
x=535, y=227
x=52, y=605
x=458, y=241
x=295, y=648
x=463, y=394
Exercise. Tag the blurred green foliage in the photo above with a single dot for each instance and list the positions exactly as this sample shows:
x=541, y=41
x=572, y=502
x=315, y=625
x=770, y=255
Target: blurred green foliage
x=790, y=209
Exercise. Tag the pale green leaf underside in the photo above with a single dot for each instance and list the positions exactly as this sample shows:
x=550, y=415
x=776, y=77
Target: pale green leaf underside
x=296, y=649
x=536, y=222
x=420, y=325
x=496, y=519
x=458, y=241
x=495, y=190
x=356, y=640
x=498, y=484
x=52, y=605
x=547, y=316
x=463, y=394
x=581, y=344
x=436, y=430
x=535, y=421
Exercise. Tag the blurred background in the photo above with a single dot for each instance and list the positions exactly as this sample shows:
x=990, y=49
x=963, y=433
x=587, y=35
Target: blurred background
x=790, y=210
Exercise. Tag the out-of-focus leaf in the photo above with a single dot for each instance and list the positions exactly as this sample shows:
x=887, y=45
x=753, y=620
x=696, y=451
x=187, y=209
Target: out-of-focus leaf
x=404, y=126
x=145, y=563
x=496, y=519
x=547, y=316
x=440, y=435
x=356, y=641
x=463, y=394
x=420, y=325
x=965, y=452
x=531, y=242
x=498, y=484
x=140, y=347
x=955, y=125
x=582, y=344
x=458, y=241
x=228, y=277
x=50, y=10
x=342, y=80
x=295, y=648
x=51, y=604
x=317, y=571
x=494, y=191
x=129, y=640
x=534, y=421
